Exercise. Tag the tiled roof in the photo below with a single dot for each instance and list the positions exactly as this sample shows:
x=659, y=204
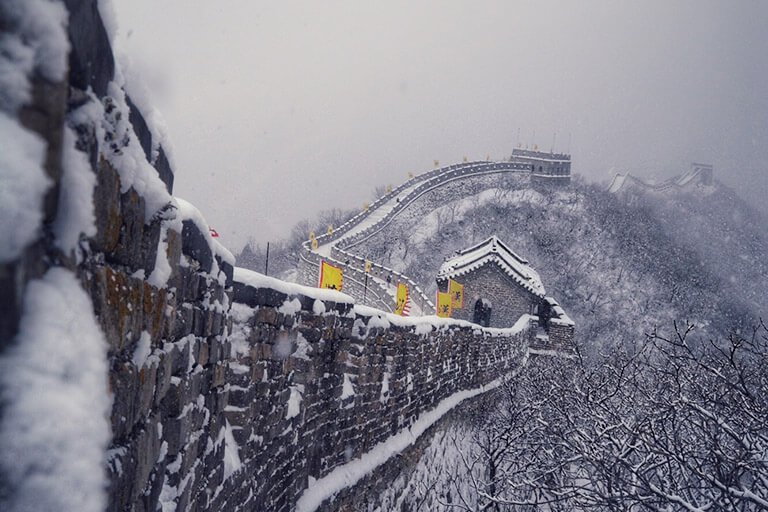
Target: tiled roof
x=495, y=251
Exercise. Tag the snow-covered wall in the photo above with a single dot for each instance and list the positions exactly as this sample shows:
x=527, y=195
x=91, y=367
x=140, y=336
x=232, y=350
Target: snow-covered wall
x=321, y=391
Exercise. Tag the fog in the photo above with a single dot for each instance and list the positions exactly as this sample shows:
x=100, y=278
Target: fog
x=277, y=110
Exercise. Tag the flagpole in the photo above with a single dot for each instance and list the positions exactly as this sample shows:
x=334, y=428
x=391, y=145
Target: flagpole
x=365, y=288
x=266, y=262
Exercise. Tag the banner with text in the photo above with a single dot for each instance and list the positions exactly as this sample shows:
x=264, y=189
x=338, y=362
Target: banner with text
x=331, y=277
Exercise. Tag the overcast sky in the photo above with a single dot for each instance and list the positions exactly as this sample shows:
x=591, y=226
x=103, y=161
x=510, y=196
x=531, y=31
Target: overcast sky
x=277, y=110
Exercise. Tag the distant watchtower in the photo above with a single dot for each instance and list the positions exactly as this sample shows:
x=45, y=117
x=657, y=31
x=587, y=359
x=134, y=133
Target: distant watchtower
x=549, y=168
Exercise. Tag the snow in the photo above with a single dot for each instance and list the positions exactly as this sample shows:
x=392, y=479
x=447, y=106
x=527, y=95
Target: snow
x=294, y=402
x=318, y=307
x=23, y=184
x=162, y=271
x=302, y=347
x=426, y=324
x=75, y=214
x=350, y=473
x=258, y=280
x=384, y=396
x=347, y=389
x=143, y=349
x=34, y=38
x=232, y=463
x=131, y=163
x=54, y=430
x=141, y=98
x=109, y=19
x=188, y=211
x=290, y=307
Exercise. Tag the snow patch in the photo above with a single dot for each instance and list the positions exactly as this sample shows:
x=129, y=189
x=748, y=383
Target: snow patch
x=162, y=271
x=302, y=347
x=318, y=307
x=143, y=349
x=188, y=211
x=294, y=402
x=75, y=214
x=290, y=307
x=257, y=280
x=34, y=38
x=23, y=184
x=54, y=431
x=232, y=462
x=347, y=389
x=384, y=396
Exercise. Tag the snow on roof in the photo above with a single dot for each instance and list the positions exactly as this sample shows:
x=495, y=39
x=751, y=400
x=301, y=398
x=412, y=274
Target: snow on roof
x=493, y=250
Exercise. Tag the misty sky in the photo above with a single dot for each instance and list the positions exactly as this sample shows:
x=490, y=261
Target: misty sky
x=277, y=110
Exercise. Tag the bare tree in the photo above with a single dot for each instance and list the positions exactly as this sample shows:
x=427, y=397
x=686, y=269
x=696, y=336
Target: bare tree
x=679, y=424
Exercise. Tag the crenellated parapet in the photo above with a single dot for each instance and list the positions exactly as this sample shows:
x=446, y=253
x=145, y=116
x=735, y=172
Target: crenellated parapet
x=316, y=381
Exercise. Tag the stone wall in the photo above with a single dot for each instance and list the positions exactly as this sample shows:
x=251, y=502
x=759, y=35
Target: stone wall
x=315, y=383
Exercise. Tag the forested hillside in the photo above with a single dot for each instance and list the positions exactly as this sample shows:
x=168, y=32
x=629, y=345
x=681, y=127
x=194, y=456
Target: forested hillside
x=619, y=264
x=664, y=405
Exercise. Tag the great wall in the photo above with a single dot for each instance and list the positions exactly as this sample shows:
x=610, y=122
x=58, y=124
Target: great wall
x=227, y=390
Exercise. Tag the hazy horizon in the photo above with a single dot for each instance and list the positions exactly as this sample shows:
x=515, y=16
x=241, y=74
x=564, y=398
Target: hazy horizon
x=278, y=111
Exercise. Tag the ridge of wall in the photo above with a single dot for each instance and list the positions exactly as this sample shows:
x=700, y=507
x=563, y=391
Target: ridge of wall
x=342, y=255
x=699, y=173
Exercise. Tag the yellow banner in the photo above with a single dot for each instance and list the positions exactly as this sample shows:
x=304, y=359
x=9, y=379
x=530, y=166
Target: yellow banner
x=457, y=294
x=444, y=305
x=314, y=244
x=465, y=159
x=311, y=235
x=410, y=175
x=366, y=206
x=437, y=162
x=331, y=277
x=368, y=267
x=401, y=305
x=389, y=189
x=330, y=229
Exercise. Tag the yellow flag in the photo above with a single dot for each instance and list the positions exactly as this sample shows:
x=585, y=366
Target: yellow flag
x=535, y=147
x=389, y=189
x=437, y=163
x=457, y=294
x=410, y=175
x=366, y=206
x=331, y=277
x=444, y=305
x=314, y=244
x=330, y=229
x=465, y=159
x=311, y=235
x=401, y=305
x=367, y=267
